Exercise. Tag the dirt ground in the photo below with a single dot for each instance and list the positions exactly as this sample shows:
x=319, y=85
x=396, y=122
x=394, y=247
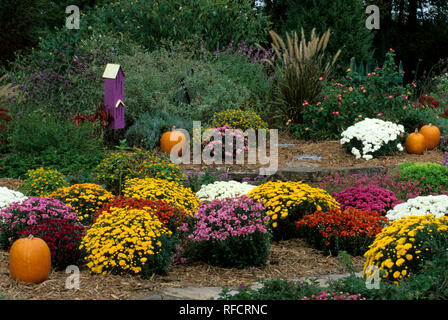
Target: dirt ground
x=289, y=259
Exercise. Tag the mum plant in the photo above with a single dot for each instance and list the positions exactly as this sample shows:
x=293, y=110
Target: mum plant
x=223, y=189
x=8, y=196
x=420, y=206
x=336, y=230
x=287, y=202
x=403, y=247
x=164, y=190
x=62, y=236
x=85, y=199
x=126, y=240
x=18, y=216
x=370, y=198
x=230, y=233
x=238, y=119
x=224, y=140
x=433, y=177
x=42, y=181
x=371, y=138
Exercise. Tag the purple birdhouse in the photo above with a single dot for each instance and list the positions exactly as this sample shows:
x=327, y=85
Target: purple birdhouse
x=114, y=94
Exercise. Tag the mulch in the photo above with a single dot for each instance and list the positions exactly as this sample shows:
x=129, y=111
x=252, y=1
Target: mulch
x=289, y=259
x=331, y=154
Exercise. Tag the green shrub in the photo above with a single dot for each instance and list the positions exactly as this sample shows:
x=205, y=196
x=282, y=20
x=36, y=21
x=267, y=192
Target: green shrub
x=238, y=119
x=39, y=140
x=344, y=104
x=433, y=177
x=119, y=166
x=175, y=83
x=41, y=182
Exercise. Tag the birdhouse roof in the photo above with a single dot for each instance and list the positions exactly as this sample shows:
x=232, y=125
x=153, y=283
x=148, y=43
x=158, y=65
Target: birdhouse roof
x=111, y=71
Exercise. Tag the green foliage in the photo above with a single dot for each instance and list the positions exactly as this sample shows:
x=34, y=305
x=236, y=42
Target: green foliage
x=42, y=181
x=39, y=140
x=346, y=18
x=18, y=19
x=175, y=83
x=351, y=101
x=118, y=166
x=149, y=21
x=433, y=177
x=240, y=251
x=149, y=127
x=274, y=289
x=238, y=119
x=160, y=263
x=196, y=179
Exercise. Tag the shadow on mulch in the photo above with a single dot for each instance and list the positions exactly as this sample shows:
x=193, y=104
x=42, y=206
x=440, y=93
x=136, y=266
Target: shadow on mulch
x=289, y=259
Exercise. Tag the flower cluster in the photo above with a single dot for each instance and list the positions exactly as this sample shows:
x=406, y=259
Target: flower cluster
x=390, y=181
x=197, y=178
x=402, y=247
x=220, y=219
x=8, y=196
x=371, y=137
x=433, y=177
x=352, y=230
x=160, y=189
x=217, y=140
x=323, y=295
x=124, y=240
x=223, y=189
x=420, y=206
x=119, y=166
x=29, y=212
x=63, y=237
x=170, y=216
x=238, y=119
x=43, y=181
x=370, y=198
x=85, y=199
x=287, y=202
x=229, y=233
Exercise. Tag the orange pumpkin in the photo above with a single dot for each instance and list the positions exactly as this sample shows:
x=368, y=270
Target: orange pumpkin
x=172, y=138
x=415, y=143
x=432, y=136
x=29, y=260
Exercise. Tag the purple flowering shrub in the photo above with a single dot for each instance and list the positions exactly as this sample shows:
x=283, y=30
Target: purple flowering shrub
x=228, y=233
x=18, y=216
x=370, y=198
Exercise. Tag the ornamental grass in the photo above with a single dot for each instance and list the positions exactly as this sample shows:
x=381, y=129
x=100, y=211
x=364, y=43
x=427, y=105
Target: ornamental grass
x=124, y=240
x=351, y=230
x=287, y=202
x=85, y=199
x=402, y=248
x=164, y=190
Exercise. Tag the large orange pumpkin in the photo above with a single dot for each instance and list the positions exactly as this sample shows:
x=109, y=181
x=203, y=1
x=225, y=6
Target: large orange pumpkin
x=415, y=143
x=172, y=138
x=432, y=136
x=29, y=260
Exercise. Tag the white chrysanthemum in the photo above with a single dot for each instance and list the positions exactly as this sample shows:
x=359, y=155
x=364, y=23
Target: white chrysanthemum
x=223, y=189
x=373, y=133
x=8, y=196
x=420, y=206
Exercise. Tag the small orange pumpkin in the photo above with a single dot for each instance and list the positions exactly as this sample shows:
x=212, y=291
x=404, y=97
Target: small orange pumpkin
x=29, y=260
x=172, y=138
x=432, y=136
x=415, y=143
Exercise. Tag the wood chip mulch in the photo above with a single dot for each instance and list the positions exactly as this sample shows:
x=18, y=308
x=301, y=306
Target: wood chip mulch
x=289, y=259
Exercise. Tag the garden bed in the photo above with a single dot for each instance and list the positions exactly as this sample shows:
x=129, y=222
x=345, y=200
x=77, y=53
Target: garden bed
x=289, y=259
x=326, y=154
